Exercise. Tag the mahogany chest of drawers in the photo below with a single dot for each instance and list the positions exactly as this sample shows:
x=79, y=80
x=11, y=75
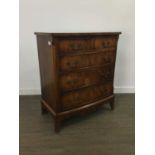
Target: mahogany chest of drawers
x=76, y=72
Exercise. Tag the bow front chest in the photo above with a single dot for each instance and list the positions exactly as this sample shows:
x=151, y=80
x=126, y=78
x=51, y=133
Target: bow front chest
x=76, y=72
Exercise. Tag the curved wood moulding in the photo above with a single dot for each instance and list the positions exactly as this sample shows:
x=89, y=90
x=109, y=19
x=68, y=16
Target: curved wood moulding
x=79, y=109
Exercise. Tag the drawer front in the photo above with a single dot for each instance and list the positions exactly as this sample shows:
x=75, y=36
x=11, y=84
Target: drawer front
x=70, y=45
x=75, y=80
x=86, y=96
x=105, y=42
x=86, y=60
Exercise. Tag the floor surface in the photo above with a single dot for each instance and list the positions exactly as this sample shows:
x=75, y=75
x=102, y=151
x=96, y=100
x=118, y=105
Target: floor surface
x=103, y=132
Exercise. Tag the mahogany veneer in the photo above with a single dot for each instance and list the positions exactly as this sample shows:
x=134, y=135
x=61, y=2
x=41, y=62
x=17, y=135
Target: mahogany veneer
x=76, y=71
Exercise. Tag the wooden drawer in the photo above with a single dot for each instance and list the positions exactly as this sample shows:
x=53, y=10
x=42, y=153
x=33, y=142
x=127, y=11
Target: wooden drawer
x=70, y=45
x=85, y=96
x=105, y=42
x=80, y=79
x=87, y=60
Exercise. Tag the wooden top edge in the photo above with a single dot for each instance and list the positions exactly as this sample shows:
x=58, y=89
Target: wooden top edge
x=77, y=34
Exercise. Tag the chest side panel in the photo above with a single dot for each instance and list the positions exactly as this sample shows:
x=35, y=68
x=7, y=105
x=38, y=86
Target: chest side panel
x=47, y=70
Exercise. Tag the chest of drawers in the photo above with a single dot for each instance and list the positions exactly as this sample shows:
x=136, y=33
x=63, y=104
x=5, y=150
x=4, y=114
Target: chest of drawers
x=76, y=72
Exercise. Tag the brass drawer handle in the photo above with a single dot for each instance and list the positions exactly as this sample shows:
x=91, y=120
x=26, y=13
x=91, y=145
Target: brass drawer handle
x=103, y=44
x=73, y=46
x=68, y=63
x=72, y=65
x=106, y=59
x=71, y=82
x=74, y=81
x=104, y=74
x=108, y=43
x=107, y=75
x=76, y=97
x=76, y=63
x=101, y=72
